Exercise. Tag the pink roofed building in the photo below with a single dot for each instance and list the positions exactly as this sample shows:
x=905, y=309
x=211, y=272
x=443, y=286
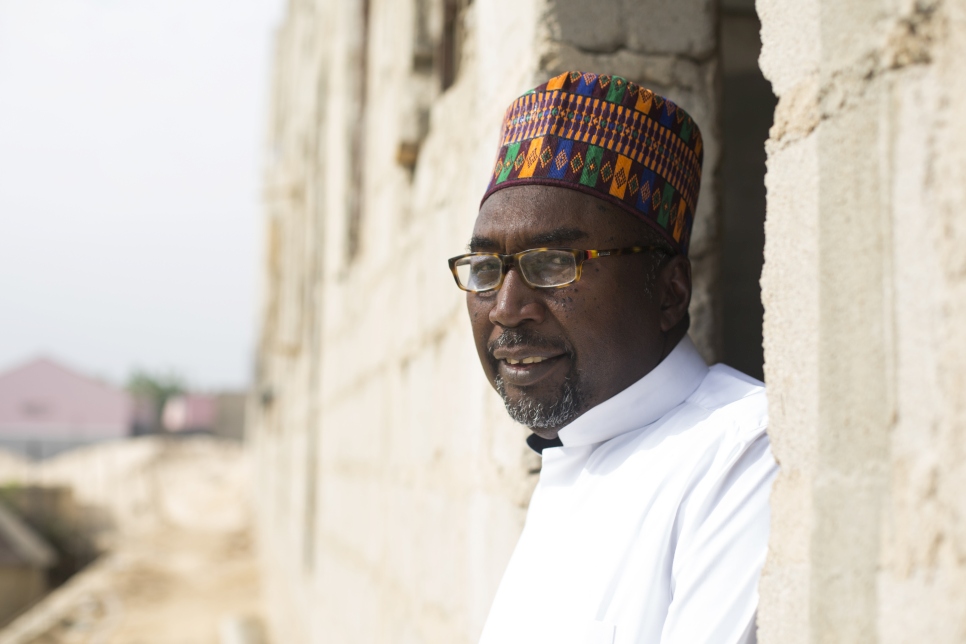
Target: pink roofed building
x=46, y=408
x=190, y=413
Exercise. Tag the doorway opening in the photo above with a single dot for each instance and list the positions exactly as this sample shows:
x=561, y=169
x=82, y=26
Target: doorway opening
x=748, y=108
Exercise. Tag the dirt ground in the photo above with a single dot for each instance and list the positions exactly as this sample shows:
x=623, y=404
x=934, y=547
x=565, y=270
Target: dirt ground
x=173, y=587
x=179, y=586
x=184, y=572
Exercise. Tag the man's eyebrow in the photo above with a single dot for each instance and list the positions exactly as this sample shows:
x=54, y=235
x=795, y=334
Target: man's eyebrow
x=556, y=237
x=478, y=243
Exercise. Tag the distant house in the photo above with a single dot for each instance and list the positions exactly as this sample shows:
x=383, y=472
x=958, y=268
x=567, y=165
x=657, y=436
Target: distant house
x=190, y=413
x=46, y=408
x=221, y=414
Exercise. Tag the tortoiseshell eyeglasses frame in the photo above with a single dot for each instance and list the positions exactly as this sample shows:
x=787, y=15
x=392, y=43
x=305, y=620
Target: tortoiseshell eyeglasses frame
x=580, y=256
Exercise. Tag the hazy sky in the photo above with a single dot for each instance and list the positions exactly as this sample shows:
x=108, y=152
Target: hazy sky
x=131, y=134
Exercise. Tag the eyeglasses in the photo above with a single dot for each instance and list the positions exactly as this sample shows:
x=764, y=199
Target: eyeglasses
x=539, y=267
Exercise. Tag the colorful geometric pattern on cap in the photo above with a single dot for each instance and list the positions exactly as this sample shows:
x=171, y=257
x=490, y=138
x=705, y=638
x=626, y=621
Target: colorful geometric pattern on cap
x=610, y=138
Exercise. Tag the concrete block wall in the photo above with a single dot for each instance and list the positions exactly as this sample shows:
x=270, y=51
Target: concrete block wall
x=391, y=487
x=864, y=293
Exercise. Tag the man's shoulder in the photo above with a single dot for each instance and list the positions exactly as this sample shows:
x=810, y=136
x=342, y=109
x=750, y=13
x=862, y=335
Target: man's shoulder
x=728, y=394
x=727, y=411
x=724, y=386
x=730, y=410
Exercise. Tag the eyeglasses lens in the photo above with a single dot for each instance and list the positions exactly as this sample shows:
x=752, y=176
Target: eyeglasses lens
x=479, y=272
x=549, y=267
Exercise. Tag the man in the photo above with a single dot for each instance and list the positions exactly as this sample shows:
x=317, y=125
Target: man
x=650, y=519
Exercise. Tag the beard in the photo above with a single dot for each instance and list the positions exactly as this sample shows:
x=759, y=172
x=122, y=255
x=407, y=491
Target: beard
x=543, y=414
x=547, y=412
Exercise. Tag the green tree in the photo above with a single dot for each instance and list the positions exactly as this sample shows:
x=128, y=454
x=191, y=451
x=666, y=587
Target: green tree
x=154, y=390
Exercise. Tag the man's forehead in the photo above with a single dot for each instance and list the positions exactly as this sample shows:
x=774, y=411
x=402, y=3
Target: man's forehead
x=542, y=215
x=556, y=237
x=508, y=226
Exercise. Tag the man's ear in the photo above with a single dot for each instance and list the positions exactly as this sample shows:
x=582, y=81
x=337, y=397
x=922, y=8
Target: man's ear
x=675, y=278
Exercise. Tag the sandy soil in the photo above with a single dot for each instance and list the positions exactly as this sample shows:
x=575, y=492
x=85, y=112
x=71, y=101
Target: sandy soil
x=180, y=568
x=172, y=587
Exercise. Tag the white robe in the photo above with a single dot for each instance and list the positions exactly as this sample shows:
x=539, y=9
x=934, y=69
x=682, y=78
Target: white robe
x=650, y=524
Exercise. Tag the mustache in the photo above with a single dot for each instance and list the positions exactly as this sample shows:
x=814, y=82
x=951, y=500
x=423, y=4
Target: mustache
x=512, y=337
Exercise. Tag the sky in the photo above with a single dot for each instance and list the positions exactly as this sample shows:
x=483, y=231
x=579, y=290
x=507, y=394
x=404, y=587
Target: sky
x=131, y=140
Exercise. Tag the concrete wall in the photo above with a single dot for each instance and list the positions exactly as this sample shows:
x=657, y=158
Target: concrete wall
x=864, y=289
x=391, y=487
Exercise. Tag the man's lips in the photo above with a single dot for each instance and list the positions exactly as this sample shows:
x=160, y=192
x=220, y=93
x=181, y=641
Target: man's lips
x=523, y=358
x=526, y=369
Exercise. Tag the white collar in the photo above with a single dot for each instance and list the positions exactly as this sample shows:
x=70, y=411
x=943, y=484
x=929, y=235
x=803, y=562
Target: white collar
x=662, y=389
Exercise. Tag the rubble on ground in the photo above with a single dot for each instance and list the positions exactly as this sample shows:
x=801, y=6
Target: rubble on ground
x=171, y=518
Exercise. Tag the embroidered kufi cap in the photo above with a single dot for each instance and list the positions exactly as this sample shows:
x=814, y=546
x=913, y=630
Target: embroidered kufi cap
x=610, y=138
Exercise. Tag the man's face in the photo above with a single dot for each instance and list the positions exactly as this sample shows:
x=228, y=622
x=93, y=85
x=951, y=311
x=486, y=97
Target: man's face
x=555, y=353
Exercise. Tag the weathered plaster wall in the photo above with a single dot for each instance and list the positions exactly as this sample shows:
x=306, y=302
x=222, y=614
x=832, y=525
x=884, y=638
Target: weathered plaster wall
x=864, y=291
x=391, y=486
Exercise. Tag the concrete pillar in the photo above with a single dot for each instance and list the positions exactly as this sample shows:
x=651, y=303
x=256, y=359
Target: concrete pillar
x=861, y=297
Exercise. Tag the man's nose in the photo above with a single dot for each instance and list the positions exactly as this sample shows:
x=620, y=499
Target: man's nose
x=516, y=302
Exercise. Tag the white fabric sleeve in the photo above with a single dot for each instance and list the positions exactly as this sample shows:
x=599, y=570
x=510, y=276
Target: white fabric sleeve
x=722, y=542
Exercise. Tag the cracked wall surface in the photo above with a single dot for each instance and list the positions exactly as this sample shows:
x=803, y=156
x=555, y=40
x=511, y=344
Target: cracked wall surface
x=864, y=293
x=391, y=487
